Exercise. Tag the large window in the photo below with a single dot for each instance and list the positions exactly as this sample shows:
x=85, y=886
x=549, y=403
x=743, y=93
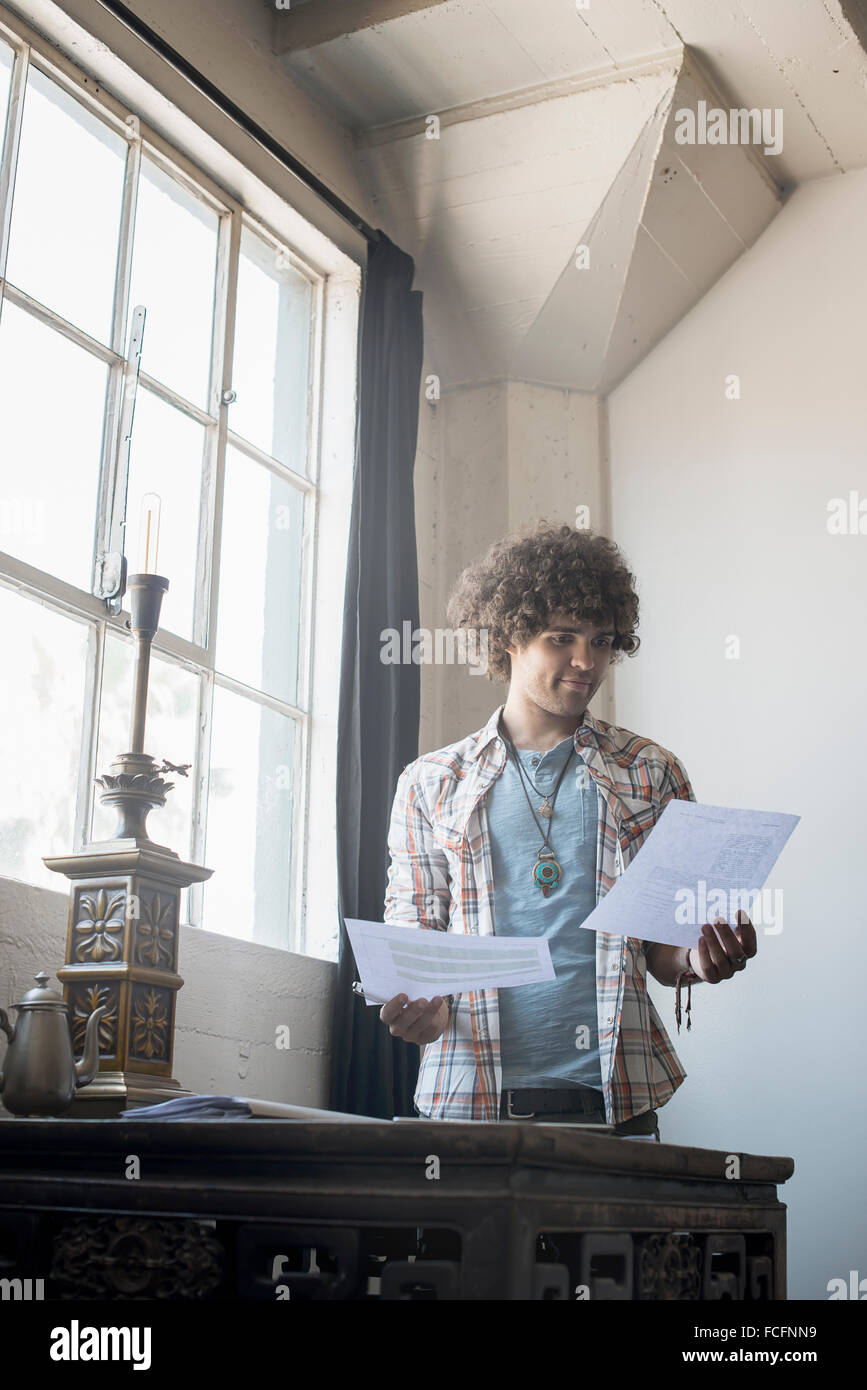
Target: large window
x=154, y=338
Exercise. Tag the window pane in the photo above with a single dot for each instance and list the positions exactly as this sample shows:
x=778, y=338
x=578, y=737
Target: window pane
x=272, y=350
x=66, y=208
x=40, y=736
x=249, y=821
x=173, y=271
x=166, y=458
x=52, y=397
x=170, y=732
x=260, y=578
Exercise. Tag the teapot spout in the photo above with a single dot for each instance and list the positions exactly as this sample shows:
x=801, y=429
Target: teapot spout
x=85, y=1070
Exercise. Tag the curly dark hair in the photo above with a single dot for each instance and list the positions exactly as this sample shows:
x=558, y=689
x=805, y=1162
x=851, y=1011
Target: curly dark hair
x=539, y=570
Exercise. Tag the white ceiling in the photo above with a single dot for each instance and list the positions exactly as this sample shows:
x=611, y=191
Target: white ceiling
x=466, y=50
x=497, y=232
x=556, y=122
x=800, y=55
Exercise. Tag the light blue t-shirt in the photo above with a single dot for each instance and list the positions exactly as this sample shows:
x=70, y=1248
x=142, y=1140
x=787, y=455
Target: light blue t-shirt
x=548, y=1032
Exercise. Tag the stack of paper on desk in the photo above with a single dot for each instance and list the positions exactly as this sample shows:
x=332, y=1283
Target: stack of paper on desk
x=205, y=1107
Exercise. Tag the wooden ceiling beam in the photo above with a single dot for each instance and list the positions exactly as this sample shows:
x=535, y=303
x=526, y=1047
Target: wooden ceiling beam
x=320, y=21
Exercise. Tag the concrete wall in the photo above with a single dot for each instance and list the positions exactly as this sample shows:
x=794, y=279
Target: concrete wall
x=491, y=458
x=235, y=994
x=721, y=505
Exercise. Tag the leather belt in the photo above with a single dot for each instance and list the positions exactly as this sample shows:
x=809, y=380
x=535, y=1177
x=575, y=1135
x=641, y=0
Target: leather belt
x=522, y=1104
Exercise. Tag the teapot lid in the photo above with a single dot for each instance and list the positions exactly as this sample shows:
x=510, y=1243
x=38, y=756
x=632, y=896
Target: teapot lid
x=43, y=994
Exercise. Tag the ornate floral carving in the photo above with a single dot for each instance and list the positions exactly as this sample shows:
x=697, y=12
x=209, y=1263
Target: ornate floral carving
x=149, y=1025
x=155, y=934
x=85, y=999
x=100, y=925
x=669, y=1267
x=117, y=1257
x=150, y=783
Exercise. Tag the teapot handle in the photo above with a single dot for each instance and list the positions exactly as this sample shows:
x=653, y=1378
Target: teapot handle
x=9, y=1030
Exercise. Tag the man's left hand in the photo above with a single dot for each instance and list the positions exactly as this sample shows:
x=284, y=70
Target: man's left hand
x=722, y=952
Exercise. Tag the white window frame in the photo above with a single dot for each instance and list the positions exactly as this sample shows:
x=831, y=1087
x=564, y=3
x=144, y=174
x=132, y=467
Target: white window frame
x=335, y=278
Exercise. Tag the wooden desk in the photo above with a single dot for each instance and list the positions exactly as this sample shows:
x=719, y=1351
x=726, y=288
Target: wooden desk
x=263, y=1209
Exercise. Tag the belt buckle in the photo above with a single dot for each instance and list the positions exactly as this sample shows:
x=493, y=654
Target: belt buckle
x=513, y=1114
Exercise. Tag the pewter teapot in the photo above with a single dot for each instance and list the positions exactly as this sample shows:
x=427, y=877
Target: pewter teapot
x=40, y=1076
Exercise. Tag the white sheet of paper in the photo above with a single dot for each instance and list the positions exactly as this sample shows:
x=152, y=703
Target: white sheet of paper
x=420, y=962
x=692, y=853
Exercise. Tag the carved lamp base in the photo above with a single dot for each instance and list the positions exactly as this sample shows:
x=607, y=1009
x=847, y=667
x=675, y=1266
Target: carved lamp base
x=122, y=952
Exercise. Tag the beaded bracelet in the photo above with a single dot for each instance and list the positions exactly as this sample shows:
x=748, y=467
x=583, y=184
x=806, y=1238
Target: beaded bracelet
x=689, y=975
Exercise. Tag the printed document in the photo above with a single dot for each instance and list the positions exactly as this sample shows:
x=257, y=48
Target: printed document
x=698, y=862
x=422, y=962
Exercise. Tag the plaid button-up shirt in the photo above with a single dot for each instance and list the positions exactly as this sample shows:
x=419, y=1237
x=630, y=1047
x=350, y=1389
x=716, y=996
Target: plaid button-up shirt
x=440, y=877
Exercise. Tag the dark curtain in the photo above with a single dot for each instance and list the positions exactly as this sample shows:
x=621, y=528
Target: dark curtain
x=371, y=1072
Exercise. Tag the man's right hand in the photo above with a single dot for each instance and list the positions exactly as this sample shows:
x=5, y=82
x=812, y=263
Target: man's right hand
x=416, y=1021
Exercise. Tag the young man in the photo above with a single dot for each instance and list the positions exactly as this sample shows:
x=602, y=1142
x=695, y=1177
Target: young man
x=520, y=829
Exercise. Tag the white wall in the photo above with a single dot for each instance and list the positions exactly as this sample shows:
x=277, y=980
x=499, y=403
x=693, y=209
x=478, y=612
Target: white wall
x=721, y=506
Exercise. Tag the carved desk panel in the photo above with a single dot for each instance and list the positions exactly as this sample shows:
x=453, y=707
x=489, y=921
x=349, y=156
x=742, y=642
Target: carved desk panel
x=408, y=1209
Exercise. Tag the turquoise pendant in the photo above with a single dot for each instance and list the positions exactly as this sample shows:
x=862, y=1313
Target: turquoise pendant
x=546, y=871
